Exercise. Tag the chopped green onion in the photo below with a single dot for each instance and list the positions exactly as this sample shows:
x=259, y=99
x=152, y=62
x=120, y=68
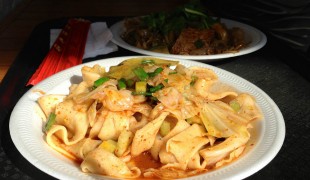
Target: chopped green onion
x=173, y=72
x=50, y=121
x=141, y=74
x=121, y=83
x=156, y=72
x=153, y=98
x=194, y=78
x=100, y=81
x=156, y=88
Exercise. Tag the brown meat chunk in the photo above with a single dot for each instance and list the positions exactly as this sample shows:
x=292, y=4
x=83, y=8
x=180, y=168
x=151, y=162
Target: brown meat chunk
x=185, y=44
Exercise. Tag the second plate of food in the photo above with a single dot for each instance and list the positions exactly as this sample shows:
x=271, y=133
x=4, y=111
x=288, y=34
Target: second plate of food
x=253, y=37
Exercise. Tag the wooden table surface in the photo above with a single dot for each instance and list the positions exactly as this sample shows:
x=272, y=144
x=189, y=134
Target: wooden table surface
x=16, y=27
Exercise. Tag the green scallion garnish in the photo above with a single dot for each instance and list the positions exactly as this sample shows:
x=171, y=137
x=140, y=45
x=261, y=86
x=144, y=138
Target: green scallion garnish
x=141, y=74
x=50, y=121
x=100, y=81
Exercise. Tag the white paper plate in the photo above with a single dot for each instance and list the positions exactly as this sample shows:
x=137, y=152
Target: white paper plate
x=26, y=127
x=257, y=40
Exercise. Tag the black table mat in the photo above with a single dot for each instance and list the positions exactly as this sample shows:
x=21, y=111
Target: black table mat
x=267, y=68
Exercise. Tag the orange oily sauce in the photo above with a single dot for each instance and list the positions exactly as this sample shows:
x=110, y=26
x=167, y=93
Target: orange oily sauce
x=145, y=161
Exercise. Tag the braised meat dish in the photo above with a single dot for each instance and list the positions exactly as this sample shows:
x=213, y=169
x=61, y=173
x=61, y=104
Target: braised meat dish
x=188, y=30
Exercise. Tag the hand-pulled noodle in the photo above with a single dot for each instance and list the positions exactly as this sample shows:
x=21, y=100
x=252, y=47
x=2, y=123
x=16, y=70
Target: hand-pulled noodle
x=148, y=108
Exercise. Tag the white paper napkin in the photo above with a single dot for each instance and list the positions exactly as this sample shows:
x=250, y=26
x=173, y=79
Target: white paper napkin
x=98, y=40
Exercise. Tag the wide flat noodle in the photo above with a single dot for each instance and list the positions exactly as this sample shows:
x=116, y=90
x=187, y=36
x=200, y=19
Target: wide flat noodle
x=71, y=126
x=145, y=137
x=48, y=102
x=82, y=148
x=185, y=145
x=100, y=161
x=202, y=87
x=74, y=120
x=218, y=152
x=113, y=125
x=160, y=142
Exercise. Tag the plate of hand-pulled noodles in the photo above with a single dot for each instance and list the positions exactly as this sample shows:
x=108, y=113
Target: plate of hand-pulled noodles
x=187, y=32
x=147, y=117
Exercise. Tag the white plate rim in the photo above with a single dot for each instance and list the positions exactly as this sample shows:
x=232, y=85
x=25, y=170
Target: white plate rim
x=270, y=140
x=259, y=40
